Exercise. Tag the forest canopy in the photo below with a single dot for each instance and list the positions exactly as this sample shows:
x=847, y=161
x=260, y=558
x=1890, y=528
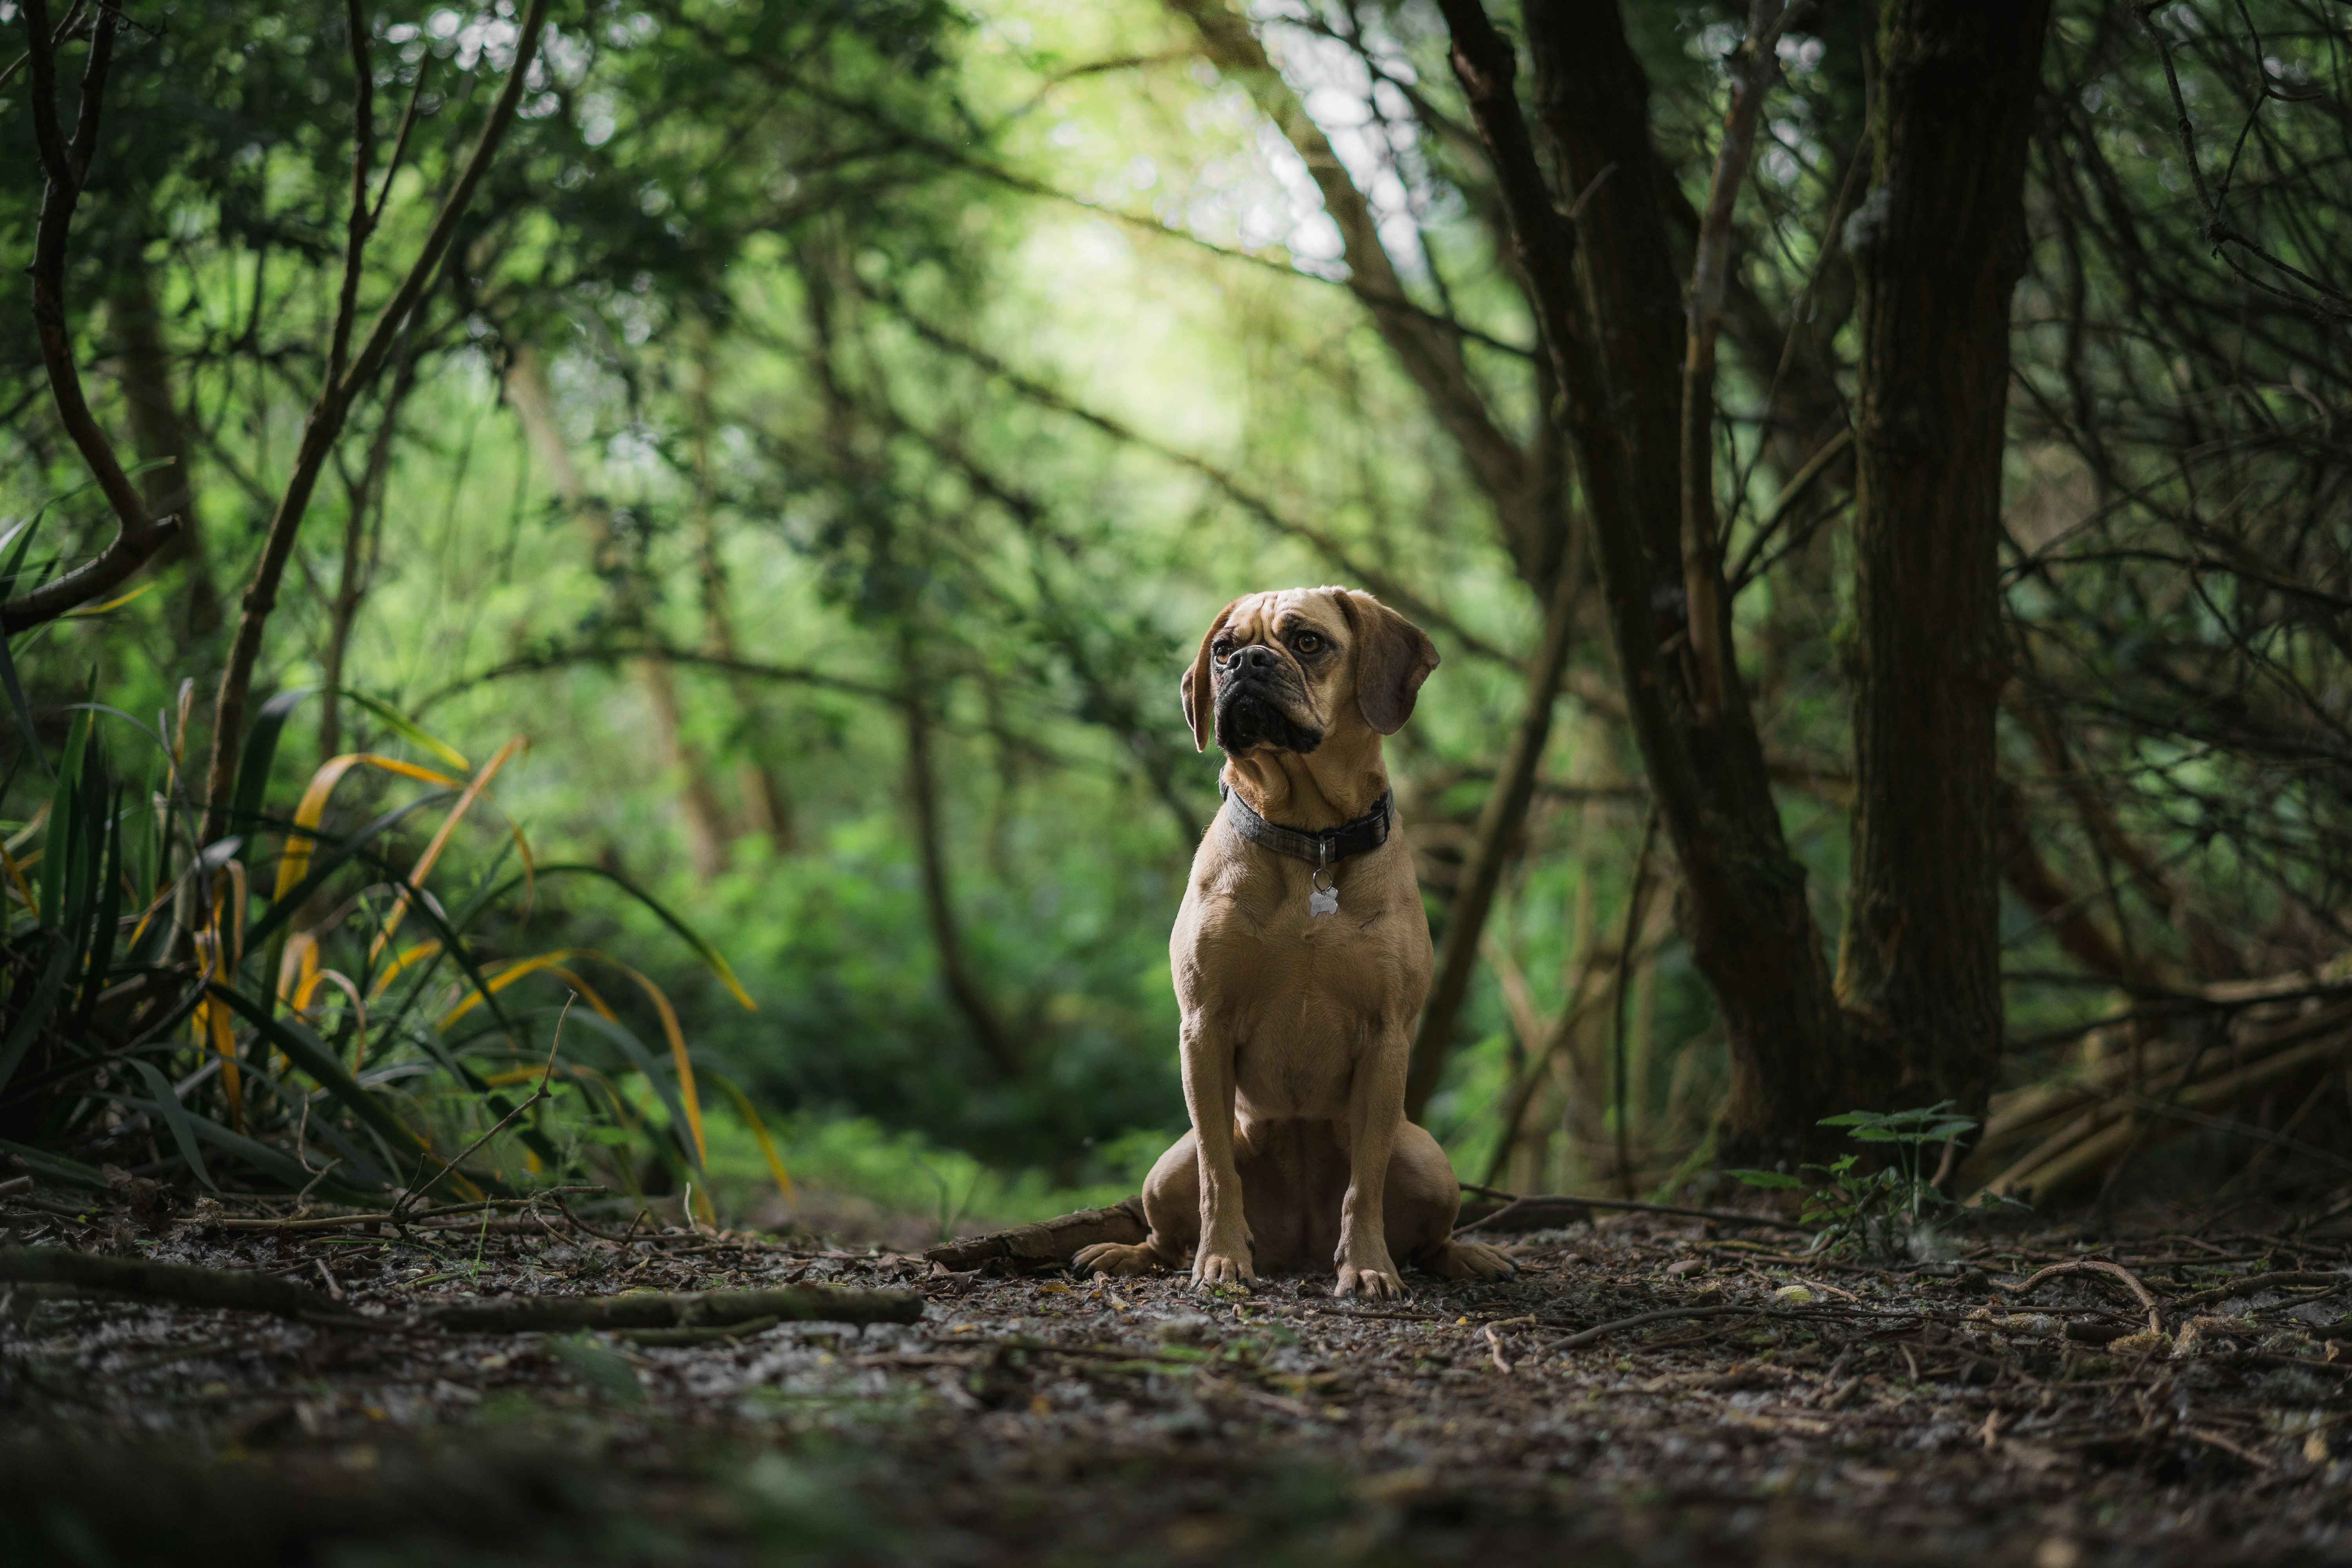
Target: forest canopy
x=743, y=478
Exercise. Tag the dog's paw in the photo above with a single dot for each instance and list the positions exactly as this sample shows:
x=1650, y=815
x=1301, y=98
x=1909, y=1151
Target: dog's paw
x=1111, y=1260
x=1375, y=1283
x=1464, y=1259
x=1212, y=1269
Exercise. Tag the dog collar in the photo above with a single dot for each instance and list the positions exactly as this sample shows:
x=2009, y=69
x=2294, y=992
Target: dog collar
x=1329, y=847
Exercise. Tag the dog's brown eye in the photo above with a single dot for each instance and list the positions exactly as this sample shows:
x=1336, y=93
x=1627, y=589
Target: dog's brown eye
x=1220, y=649
x=1307, y=642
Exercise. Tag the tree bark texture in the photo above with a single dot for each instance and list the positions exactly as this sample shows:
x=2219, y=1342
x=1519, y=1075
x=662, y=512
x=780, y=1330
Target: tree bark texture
x=1742, y=900
x=1938, y=245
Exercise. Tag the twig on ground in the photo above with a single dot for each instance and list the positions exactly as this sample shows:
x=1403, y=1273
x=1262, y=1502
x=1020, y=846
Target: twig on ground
x=679, y=1309
x=2253, y=1282
x=415, y=1195
x=245, y=1289
x=1523, y=1209
x=1587, y=1336
x=2097, y=1266
x=352, y=1221
x=2215, y=1439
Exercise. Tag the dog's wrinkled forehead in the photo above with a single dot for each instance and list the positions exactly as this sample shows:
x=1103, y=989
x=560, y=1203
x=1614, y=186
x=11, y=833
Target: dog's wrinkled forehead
x=1276, y=618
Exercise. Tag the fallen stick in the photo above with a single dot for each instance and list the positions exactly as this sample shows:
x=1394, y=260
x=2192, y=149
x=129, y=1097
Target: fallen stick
x=2253, y=1282
x=2096, y=1265
x=180, y=1283
x=185, y=1285
x=1048, y=1241
x=1587, y=1336
x=711, y=1335
x=418, y=1220
x=1537, y=1212
x=677, y=1309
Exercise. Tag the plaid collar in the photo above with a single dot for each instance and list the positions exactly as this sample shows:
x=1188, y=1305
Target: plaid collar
x=1329, y=847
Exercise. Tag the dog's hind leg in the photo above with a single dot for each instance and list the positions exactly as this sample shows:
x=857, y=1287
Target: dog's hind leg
x=1451, y=1260
x=1172, y=1208
x=1425, y=1200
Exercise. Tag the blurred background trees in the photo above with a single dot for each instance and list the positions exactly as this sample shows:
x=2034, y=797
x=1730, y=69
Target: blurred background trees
x=826, y=427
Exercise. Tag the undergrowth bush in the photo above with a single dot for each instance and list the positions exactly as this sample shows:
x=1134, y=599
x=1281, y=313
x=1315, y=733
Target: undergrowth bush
x=293, y=1006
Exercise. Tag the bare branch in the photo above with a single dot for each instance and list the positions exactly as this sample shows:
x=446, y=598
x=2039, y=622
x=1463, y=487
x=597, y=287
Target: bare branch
x=66, y=162
x=355, y=233
x=1753, y=70
x=325, y=427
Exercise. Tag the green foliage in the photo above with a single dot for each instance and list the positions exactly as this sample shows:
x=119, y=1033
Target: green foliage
x=1889, y=1206
x=154, y=1014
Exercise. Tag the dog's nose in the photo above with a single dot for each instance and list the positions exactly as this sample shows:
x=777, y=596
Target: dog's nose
x=1256, y=660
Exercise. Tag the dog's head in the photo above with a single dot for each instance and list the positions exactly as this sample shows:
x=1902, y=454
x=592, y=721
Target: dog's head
x=1284, y=670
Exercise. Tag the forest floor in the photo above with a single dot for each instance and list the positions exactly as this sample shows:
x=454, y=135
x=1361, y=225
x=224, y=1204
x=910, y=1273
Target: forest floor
x=1823, y=1413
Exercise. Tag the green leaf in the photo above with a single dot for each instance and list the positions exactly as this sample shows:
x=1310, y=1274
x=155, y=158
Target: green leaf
x=167, y=1105
x=642, y=1060
x=408, y=729
x=306, y=1050
x=279, y=1168
x=23, y=709
x=64, y=802
x=261, y=751
x=702, y=950
x=326, y=861
x=55, y=1167
x=1767, y=1178
x=36, y=1009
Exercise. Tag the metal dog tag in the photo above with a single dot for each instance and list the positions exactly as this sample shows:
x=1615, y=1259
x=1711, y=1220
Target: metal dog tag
x=1323, y=902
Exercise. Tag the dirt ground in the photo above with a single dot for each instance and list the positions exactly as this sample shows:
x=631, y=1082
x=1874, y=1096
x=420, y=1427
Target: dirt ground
x=1822, y=1413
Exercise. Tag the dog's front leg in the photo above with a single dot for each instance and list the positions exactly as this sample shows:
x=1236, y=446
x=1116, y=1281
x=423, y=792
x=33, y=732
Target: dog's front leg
x=1375, y=1111
x=1222, y=1257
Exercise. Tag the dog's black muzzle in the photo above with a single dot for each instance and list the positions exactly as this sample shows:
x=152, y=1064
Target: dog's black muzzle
x=1252, y=710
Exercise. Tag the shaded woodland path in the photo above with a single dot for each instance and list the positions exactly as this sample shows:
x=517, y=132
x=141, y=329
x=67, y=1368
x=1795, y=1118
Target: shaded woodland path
x=1819, y=1412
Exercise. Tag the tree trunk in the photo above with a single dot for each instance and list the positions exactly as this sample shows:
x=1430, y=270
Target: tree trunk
x=156, y=431
x=706, y=823
x=1938, y=245
x=1614, y=322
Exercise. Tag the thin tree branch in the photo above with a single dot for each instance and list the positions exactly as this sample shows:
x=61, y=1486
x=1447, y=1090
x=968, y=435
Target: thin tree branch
x=1752, y=74
x=325, y=425
x=355, y=232
x=66, y=162
x=1391, y=590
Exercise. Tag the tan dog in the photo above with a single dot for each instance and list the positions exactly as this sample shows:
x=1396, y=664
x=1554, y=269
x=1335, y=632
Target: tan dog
x=1301, y=958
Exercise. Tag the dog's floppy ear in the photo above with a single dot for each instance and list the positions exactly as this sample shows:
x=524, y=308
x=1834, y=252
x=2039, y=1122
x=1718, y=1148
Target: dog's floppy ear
x=1200, y=709
x=1394, y=656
